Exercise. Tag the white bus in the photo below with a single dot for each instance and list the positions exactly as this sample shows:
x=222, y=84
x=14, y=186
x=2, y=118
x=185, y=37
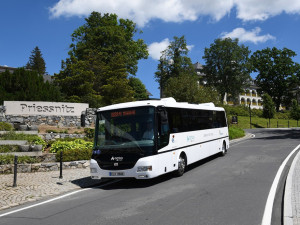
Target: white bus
x=146, y=139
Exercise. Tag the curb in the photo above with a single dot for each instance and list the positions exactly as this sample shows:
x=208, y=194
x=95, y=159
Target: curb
x=247, y=136
x=288, y=206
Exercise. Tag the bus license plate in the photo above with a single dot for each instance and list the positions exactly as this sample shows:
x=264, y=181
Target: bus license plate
x=116, y=174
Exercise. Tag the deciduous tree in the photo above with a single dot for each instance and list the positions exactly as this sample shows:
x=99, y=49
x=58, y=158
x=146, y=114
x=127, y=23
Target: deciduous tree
x=174, y=63
x=227, y=66
x=276, y=70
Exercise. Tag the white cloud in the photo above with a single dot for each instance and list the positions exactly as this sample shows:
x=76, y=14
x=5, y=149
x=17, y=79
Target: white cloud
x=264, y=9
x=248, y=36
x=156, y=48
x=142, y=11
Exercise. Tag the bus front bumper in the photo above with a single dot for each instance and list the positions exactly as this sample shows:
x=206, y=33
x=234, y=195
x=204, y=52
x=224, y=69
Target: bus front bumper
x=139, y=171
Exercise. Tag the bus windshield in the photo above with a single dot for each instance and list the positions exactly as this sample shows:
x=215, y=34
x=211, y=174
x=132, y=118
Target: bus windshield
x=126, y=128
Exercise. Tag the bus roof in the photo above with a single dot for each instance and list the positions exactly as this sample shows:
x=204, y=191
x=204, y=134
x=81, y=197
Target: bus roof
x=167, y=102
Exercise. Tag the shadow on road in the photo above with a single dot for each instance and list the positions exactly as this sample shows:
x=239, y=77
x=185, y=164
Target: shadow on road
x=276, y=133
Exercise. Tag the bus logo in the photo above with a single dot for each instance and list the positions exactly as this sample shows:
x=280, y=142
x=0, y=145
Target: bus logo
x=118, y=159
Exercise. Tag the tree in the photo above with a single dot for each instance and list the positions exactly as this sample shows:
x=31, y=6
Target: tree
x=77, y=81
x=182, y=88
x=105, y=47
x=36, y=61
x=174, y=63
x=227, y=66
x=268, y=107
x=26, y=85
x=295, y=110
x=276, y=70
x=140, y=91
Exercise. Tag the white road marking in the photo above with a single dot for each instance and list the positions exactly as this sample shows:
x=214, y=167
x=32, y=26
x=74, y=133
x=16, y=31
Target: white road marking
x=270, y=201
x=54, y=199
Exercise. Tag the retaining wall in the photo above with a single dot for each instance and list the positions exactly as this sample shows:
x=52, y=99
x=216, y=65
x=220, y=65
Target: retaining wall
x=43, y=167
x=61, y=121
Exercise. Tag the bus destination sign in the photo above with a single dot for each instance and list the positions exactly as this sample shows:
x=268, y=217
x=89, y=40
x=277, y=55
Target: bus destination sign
x=123, y=113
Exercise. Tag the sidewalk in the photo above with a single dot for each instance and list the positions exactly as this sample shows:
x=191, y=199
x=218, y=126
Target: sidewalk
x=36, y=186
x=292, y=194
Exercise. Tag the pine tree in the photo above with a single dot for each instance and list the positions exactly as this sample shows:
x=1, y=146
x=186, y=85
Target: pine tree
x=36, y=61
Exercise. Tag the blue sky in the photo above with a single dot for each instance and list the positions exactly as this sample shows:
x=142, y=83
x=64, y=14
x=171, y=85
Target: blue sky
x=49, y=24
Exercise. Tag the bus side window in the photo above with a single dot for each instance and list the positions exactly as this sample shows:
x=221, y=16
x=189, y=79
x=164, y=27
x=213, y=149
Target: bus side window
x=163, y=128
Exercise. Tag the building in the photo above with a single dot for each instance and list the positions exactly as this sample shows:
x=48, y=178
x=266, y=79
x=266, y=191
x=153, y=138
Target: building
x=248, y=96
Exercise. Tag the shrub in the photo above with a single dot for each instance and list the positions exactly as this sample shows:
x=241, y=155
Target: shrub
x=9, y=159
x=89, y=132
x=8, y=148
x=5, y=126
x=32, y=139
x=74, y=154
x=67, y=145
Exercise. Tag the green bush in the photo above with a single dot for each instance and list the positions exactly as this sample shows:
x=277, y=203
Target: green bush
x=32, y=139
x=282, y=115
x=74, y=154
x=9, y=159
x=235, y=132
x=8, y=148
x=5, y=126
x=67, y=145
x=89, y=132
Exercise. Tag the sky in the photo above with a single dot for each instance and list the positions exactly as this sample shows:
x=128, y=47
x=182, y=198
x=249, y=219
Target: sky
x=49, y=24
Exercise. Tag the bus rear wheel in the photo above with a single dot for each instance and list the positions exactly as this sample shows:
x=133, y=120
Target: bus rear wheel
x=181, y=165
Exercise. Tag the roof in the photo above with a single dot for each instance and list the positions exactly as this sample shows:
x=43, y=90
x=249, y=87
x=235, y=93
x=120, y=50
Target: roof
x=167, y=102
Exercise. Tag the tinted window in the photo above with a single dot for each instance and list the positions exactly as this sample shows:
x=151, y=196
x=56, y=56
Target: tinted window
x=183, y=120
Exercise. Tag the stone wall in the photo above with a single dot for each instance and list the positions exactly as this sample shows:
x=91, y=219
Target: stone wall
x=61, y=121
x=43, y=167
x=53, y=136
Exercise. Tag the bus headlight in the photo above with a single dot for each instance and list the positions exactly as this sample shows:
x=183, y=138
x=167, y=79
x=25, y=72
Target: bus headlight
x=144, y=168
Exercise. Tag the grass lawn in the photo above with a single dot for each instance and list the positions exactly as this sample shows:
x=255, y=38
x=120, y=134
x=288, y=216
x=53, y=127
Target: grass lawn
x=257, y=122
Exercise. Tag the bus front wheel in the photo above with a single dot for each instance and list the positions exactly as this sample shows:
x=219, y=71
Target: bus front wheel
x=181, y=165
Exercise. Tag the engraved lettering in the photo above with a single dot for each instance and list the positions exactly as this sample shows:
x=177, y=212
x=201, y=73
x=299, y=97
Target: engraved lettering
x=24, y=106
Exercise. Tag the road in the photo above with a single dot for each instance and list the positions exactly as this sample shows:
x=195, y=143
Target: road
x=230, y=190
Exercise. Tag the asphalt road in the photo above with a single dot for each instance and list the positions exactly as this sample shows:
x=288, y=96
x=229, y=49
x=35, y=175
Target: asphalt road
x=230, y=190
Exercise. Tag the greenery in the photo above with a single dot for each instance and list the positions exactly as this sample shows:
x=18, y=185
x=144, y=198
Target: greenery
x=5, y=126
x=8, y=148
x=68, y=145
x=74, y=154
x=295, y=110
x=89, y=133
x=26, y=85
x=269, y=107
x=36, y=61
x=227, y=66
x=257, y=122
x=9, y=159
x=140, y=91
x=57, y=131
x=103, y=53
x=236, y=132
x=32, y=139
x=276, y=73
x=174, y=64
